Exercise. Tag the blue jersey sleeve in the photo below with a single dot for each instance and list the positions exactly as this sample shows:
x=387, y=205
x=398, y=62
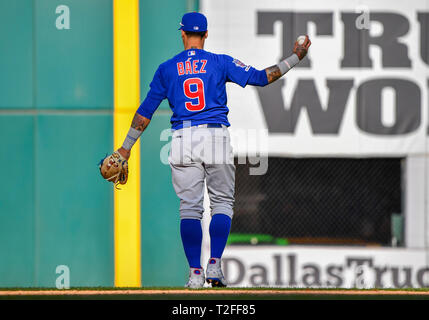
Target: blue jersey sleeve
x=237, y=71
x=258, y=78
x=156, y=94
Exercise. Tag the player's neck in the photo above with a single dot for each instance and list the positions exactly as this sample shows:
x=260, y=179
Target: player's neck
x=193, y=47
x=198, y=44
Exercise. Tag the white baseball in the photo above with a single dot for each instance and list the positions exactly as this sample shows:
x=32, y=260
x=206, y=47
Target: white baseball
x=300, y=40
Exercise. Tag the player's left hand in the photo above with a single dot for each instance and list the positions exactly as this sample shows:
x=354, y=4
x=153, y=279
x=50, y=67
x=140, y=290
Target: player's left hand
x=114, y=168
x=301, y=47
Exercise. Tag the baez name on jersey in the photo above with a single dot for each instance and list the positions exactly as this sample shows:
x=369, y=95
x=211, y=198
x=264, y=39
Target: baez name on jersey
x=188, y=67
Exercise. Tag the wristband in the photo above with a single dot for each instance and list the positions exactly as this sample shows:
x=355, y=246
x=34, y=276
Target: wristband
x=131, y=138
x=288, y=63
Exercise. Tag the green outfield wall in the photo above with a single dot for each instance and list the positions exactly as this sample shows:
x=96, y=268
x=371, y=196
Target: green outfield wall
x=56, y=123
x=161, y=244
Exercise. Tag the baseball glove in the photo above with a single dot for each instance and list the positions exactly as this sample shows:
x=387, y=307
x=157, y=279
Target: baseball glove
x=114, y=168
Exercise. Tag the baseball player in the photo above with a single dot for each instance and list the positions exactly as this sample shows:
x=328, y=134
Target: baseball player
x=194, y=82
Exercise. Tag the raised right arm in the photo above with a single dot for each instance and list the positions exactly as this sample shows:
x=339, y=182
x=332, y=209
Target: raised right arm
x=278, y=70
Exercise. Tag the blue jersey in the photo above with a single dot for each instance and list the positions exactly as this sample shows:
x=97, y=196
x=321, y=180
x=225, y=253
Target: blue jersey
x=194, y=84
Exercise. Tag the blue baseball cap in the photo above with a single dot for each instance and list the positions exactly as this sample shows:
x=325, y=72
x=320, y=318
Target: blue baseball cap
x=193, y=22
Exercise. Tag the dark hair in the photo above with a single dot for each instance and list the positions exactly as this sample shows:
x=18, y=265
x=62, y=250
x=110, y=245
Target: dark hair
x=200, y=34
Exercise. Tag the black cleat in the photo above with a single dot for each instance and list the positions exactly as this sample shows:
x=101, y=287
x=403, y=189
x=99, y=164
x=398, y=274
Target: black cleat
x=216, y=283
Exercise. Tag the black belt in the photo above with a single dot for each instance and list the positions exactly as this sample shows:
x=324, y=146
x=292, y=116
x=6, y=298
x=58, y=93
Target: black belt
x=208, y=125
x=214, y=125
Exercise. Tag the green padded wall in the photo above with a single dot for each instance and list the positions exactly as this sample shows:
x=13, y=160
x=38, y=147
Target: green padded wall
x=56, y=122
x=74, y=66
x=16, y=58
x=74, y=218
x=56, y=104
x=163, y=258
x=17, y=233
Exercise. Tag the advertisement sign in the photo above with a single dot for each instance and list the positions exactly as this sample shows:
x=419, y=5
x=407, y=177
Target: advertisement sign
x=362, y=90
x=321, y=267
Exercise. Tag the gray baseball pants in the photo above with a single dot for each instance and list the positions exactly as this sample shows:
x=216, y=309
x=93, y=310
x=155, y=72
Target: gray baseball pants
x=199, y=156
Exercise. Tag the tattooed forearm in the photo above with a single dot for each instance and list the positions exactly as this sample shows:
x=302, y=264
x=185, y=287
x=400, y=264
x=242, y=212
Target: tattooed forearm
x=139, y=122
x=138, y=125
x=273, y=73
